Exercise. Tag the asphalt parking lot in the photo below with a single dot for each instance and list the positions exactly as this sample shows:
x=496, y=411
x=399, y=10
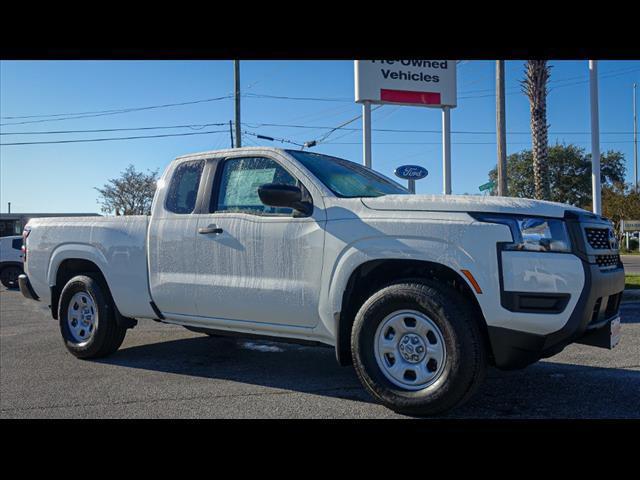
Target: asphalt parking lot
x=166, y=371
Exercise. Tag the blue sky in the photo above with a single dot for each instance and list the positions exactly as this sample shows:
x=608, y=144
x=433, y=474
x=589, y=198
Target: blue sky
x=61, y=177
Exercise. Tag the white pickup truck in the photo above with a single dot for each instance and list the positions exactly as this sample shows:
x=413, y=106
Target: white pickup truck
x=421, y=293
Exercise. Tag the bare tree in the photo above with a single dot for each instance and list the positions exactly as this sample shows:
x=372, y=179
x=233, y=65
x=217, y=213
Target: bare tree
x=129, y=194
x=534, y=86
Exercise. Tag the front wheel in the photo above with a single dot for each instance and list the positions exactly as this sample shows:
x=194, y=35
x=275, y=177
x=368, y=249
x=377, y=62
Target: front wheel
x=87, y=318
x=417, y=348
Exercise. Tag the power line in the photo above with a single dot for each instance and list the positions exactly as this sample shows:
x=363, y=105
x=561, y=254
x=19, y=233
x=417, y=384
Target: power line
x=325, y=113
x=352, y=131
x=196, y=126
x=609, y=74
x=265, y=76
x=457, y=143
x=96, y=113
x=286, y=97
x=600, y=77
x=272, y=139
x=322, y=139
x=260, y=136
x=397, y=130
x=73, y=116
x=99, y=130
x=113, y=138
x=513, y=90
x=342, y=125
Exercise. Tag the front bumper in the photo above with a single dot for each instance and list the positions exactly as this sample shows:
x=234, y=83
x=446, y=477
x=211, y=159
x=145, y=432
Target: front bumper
x=26, y=288
x=596, y=307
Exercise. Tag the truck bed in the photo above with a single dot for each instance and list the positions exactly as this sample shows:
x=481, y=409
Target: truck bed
x=117, y=245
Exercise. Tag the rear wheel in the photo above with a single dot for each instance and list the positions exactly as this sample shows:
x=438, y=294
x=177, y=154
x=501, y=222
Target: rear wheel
x=9, y=276
x=87, y=318
x=417, y=348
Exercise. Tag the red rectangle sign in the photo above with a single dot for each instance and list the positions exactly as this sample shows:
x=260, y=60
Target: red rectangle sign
x=406, y=96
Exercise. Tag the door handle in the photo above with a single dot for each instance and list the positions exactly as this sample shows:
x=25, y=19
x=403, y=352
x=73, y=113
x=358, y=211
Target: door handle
x=213, y=228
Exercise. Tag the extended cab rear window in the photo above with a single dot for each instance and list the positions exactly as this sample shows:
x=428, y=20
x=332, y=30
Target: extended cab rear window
x=16, y=244
x=183, y=191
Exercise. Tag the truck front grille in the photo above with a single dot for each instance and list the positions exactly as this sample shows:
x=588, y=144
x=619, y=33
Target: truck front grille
x=598, y=238
x=607, y=261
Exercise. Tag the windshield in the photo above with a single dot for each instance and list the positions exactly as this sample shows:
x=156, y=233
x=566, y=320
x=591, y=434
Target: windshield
x=345, y=178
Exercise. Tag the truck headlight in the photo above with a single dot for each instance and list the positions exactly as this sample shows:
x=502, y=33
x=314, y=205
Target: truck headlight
x=533, y=234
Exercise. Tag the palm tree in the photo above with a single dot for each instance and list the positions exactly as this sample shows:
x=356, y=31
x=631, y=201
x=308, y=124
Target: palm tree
x=534, y=86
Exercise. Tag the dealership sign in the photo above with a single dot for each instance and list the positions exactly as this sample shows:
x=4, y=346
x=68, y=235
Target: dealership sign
x=428, y=83
x=630, y=225
x=411, y=172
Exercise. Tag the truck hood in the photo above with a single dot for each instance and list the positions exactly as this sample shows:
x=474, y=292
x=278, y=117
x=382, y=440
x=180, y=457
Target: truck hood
x=468, y=203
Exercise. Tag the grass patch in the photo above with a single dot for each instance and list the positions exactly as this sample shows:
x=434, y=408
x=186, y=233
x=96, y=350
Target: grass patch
x=632, y=281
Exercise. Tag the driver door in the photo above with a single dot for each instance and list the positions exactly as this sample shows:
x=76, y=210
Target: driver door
x=254, y=262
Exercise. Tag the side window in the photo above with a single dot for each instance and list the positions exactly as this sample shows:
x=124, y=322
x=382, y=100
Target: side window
x=241, y=178
x=183, y=191
x=16, y=244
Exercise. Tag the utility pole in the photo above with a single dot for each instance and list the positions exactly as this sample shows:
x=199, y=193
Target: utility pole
x=231, y=131
x=366, y=134
x=635, y=140
x=9, y=207
x=236, y=68
x=595, y=138
x=501, y=129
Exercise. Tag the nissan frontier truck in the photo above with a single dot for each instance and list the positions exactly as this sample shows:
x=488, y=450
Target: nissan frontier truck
x=420, y=293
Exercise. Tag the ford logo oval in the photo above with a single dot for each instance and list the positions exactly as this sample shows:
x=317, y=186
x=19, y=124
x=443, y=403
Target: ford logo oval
x=411, y=172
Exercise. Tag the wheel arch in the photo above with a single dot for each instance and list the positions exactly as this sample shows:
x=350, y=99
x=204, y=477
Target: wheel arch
x=371, y=276
x=67, y=269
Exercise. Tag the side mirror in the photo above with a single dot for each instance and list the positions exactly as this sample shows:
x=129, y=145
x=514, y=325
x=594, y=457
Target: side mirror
x=277, y=195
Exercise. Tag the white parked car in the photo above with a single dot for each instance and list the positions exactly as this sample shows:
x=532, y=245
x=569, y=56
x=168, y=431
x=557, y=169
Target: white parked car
x=420, y=292
x=10, y=260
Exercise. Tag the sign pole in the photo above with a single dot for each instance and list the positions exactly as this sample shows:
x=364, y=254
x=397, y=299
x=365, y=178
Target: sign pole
x=446, y=151
x=595, y=138
x=412, y=186
x=366, y=134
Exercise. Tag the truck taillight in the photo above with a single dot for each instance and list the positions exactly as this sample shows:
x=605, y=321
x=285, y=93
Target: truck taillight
x=25, y=234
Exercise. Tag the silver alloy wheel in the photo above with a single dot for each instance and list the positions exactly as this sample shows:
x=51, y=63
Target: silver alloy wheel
x=82, y=317
x=410, y=349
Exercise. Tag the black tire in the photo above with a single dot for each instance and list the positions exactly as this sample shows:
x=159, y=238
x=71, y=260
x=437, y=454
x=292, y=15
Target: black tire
x=108, y=335
x=9, y=276
x=466, y=356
